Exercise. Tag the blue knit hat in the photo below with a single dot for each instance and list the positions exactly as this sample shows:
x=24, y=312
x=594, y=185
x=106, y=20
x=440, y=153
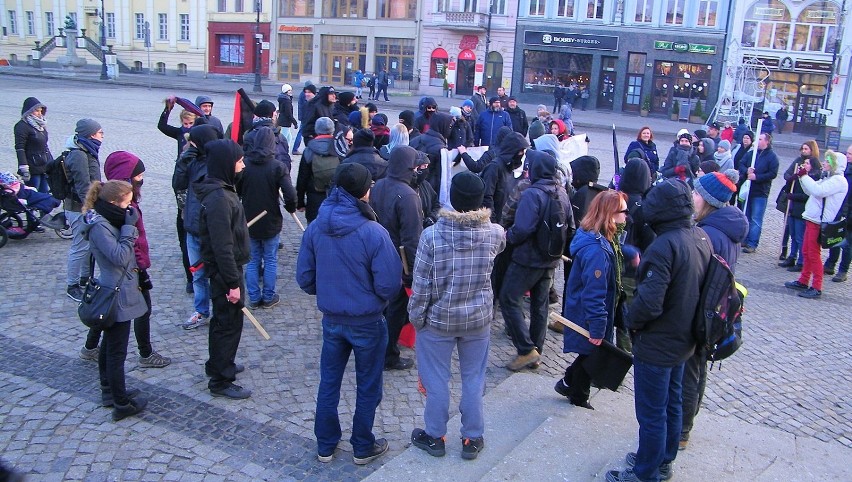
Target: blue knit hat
x=467, y=103
x=716, y=187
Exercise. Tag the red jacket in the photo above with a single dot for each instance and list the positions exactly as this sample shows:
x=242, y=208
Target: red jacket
x=119, y=166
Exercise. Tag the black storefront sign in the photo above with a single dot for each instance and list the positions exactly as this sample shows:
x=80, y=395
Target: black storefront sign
x=574, y=40
x=822, y=67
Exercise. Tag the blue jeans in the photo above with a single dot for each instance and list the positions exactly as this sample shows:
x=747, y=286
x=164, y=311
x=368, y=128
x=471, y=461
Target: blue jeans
x=266, y=251
x=517, y=281
x=755, y=210
x=844, y=253
x=200, y=283
x=298, y=140
x=434, y=357
x=368, y=341
x=659, y=411
x=39, y=181
x=796, y=227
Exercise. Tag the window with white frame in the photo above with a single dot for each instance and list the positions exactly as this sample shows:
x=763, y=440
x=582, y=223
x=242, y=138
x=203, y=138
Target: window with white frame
x=184, y=26
x=468, y=5
x=13, y=21
x=595, y=9
x=30, y=22
x=817, y=28
x=222, y=6
x=49, y=24
x=443, y=5
x=767, y=25
x=163, y=26
x=498, y=7
x=110, y=25
x=674, y=12
x=140, y=26
x=238, y=6
x=644, y=9
x=565, y=9
x=708, y=10
x=537, y=8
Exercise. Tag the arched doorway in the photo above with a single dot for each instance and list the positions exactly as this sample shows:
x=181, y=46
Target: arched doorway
x=466, y=72
x=438, y=67
x=493, y=71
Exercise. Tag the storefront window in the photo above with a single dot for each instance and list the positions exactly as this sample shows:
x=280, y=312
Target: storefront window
x=344, y=8
x=643, y=11
x=295, y=56
x=342, y=55
x=686, y=83
x=232, y=50
x=397, y=56
x=674, y=12
x=542, y=69
x=707, y=10
x=816, y=28
x=437, y=67
x=767, y=25
x=296, y=8
x=608, y=78
x=566, y=9
x=397, y=8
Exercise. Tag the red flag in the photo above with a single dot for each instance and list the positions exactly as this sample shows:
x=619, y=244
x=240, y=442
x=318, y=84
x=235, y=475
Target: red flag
x=243, y=116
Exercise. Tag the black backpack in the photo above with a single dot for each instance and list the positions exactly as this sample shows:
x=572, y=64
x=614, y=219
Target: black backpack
x=552, y=234
x=717, y=327
x=57, y=177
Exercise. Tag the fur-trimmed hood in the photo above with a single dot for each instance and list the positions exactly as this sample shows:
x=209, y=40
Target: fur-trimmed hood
x=464, y=231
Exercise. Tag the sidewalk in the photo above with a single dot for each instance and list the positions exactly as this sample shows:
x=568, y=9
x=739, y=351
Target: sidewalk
x=664, y=127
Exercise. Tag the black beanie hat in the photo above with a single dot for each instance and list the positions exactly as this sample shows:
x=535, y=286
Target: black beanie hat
x=139, y=168
x=467, y=190
x=353, y=178
x=264, y=108
x=202, y=134
x=406, y=118
x=363, y=138
x=700, y=133
x=345, y=98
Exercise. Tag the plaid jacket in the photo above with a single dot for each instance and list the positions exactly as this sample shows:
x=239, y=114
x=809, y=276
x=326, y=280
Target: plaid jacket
x=451, y=290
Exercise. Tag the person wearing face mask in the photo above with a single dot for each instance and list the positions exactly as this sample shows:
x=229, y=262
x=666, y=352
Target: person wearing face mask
x=431, y=142
x=110, y=228
x=682, y=161
x=83, y=167
x=489, y=122
x=187, y=119
x=428, y=196
x=126, y=166
x=225, y=250
x=497, y=174
x=399, y=210
x=593, y=289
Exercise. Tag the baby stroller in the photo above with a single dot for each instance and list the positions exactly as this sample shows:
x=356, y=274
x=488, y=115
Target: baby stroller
x=18, y=220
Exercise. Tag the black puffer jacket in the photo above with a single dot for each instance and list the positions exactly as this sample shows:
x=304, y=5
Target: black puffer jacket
x=317, y=107
x=368, y=156
x=285, y=111
x=262, y=179
x=31, y=143
x=669, y=278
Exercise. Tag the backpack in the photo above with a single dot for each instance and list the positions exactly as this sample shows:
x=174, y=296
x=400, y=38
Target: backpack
x=552, y=233
x=371, y=82
x=322, y=168
x=717, y=327
x=57, y=177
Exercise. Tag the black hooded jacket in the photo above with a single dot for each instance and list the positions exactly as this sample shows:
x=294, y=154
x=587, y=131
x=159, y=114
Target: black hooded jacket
x=478, y=165
x=369, y=157
x=497, y=175
x=317, y=107
x=191, y=168
x=635, y=182
x=262, y=180
x=669, y=278
x=285, y=111
x=30, y=143
x=431, y=143
x=224, y=235
x=398, y=206
x=585, y=172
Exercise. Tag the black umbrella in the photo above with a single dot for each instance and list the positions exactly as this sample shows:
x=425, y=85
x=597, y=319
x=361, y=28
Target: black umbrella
x=607, y=364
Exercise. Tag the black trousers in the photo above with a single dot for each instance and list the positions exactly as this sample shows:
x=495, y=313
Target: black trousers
x=578, y=380
x=396, y=315
x=226, y=328
x=182, y=240
x=141, y=329
x=111, y=361
x=694, y=382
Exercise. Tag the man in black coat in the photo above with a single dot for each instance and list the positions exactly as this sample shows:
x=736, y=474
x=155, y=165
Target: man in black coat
x=660, y=319
x=224, y=249
x=761, y=174
x=308, y=93
x=497, y=174
x=399, y=211
x=431, y=142
x=363, y=152
x=520, y=123
x=285, y=108
x=322, y=105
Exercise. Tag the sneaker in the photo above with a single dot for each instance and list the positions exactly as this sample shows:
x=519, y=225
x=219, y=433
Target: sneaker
x=749, y=249
x=195, y=321
x=89, y=355
x=839, y=277
x=471, y=447
x=106, y=395
x=523, y=361
x=787, y=263
x=556, y=326
x=665, y=468
x=433, y=446
x=562, y=388
x=583, y=404
x=796, y=285
x=136, y=405
x=326, y=458
x=75, y=293
x=626, y=475
x=783, y=255
x=400, y=364
x=255, y=304
x=796, y=268
x=272, y=301
x=828, y=271
x=811, y=293
x=154, y=360
x=379, y=448
x=232, y=391
x=683, y=444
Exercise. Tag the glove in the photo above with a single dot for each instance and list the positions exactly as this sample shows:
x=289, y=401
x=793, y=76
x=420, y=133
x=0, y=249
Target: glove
x=24, y=171
x=131, y=216
x=290, y=207
x=803, y=171
x=680, y=171
x=145, y=280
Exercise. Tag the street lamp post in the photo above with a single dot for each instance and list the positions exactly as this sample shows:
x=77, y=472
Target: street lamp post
x=257, y=49
x=104, y=75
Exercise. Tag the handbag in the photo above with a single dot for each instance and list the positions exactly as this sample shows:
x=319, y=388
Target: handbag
x=97, y=308
x=831, y=233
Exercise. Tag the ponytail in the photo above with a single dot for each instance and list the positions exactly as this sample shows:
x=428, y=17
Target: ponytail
x=110, y=191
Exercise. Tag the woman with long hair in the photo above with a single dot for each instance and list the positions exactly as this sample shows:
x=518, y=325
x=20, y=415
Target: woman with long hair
x=398, y=137
x=111, y=230
x=593, y=289
x=795, y=199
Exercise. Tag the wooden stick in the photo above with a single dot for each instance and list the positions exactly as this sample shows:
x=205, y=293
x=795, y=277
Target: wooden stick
x=296, y=218
x=256, y=323
x=256, y=218
x=404, y=260
x=567, y=259
x=570, y=324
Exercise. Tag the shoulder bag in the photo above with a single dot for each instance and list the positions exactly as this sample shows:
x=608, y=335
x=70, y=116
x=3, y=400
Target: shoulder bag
x=831, y=233
x=98, y=306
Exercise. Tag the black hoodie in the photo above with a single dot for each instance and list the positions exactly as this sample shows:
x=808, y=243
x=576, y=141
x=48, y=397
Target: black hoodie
x=318, y=107
x=586, y=170
x=635, y=182
x=431, y=143
x=498, y=177
x=263, y=178
x=224, y=235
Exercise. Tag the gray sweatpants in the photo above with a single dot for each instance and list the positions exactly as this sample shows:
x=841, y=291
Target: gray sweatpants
x=78, y=252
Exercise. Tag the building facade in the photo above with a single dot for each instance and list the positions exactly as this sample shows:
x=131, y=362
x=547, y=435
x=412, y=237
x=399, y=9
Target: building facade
x=327, y=41
x=805, y=49
x=467, y=43
x=666, y=53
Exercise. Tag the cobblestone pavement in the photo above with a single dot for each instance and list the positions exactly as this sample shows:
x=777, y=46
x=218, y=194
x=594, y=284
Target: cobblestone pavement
x=793, y=372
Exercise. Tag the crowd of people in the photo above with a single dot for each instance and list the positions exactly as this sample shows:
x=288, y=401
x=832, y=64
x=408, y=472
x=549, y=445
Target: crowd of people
x=381, y=251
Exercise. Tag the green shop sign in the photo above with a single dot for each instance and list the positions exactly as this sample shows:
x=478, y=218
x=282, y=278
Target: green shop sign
x=685, y=47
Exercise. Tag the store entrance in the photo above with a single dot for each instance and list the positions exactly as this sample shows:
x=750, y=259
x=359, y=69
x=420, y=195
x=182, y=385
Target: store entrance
x=465, y=76
x=807, y=117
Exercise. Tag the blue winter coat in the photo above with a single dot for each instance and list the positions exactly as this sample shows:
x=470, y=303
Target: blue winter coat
x=590, y=292
x=348, y=262
x=487, y=125
x=727, y=228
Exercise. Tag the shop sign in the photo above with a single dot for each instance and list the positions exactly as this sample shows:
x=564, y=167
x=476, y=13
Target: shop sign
x=468, y=42
x=769, y=62
x=823, y=67
x=685, y=47
x=821, y=14
x=575, y=40
x=680, y=47
x=662, y=45
x=768, y=12
x=702, y=49
x=295, y=28
x=786, y=64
